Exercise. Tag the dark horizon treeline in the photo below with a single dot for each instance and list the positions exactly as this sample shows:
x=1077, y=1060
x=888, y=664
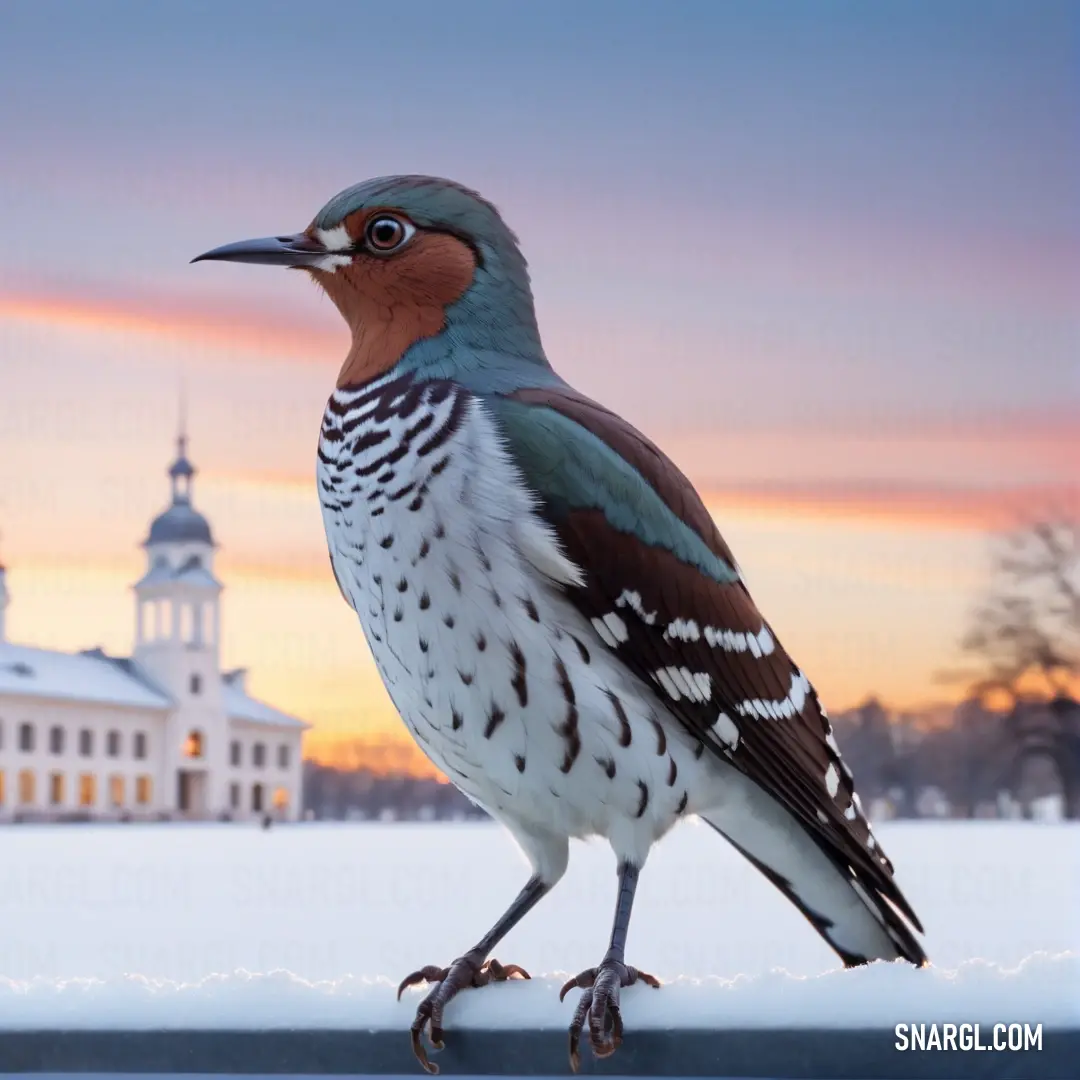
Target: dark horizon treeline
x=975, y=762
x=336, y=794
x=972, y=763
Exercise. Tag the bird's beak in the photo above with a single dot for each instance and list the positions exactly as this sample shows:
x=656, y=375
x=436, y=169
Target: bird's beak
x=295, y=251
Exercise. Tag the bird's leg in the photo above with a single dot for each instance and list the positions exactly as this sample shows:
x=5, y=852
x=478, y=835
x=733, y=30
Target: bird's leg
x=599, y=1002
x=471, y=970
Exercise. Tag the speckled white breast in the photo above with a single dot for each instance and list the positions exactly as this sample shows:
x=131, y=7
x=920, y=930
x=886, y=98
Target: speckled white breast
x=456, y=581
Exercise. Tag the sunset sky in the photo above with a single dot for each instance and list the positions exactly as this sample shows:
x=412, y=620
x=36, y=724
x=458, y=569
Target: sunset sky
x=826, y=254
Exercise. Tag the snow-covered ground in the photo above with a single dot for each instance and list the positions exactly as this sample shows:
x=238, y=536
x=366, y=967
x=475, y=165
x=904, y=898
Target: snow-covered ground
x=349, y=905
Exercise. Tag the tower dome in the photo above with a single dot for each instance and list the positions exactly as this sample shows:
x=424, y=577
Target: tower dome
x=180, y=522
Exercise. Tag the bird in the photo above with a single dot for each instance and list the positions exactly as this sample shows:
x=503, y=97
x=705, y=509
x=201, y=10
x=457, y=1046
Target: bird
x=551, y=607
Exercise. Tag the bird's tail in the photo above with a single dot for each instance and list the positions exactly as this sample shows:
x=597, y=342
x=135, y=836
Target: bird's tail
x=856, y=921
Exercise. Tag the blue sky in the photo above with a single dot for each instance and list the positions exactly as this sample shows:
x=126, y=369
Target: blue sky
x=858, y=181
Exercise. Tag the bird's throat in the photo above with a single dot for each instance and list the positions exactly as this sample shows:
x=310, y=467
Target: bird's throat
x=390, y=304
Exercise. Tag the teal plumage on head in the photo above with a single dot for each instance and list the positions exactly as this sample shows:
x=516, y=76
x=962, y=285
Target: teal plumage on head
x=491, y=338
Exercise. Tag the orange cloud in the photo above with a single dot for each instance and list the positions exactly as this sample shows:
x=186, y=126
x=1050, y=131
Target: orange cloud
x=911, y=504
x=900, y=505
x=265, y=330
x=981, y=472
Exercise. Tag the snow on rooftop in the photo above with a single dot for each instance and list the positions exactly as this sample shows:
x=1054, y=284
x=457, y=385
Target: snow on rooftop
x=192, y=572
x=240, y=705
x=158, y=574
x=88, y=676
x=94, y=676
x=197, y=575
x=1041, y=990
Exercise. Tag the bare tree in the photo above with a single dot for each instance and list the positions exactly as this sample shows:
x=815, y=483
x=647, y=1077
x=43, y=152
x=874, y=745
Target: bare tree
x=1025, y=636
x=1025, y=640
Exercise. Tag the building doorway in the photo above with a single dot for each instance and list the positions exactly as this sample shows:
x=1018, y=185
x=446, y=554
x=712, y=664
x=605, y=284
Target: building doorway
x=191, y=792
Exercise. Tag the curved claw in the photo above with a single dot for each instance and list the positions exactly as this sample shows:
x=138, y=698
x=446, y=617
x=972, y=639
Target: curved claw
x=504, y=972
x=418, y=1049
x=606, y=1032
x=425, y=974
x=570, y=984
x=428, y=1015
x=576, y=1024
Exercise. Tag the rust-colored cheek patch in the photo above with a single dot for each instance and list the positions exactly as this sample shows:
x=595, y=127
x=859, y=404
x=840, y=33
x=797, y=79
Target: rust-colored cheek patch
x=391, y=303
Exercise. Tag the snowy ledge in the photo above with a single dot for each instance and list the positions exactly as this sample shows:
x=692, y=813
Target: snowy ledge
x=840, y=1024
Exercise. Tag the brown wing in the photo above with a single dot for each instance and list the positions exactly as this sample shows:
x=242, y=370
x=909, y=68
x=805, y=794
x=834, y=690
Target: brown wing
x=698, y=637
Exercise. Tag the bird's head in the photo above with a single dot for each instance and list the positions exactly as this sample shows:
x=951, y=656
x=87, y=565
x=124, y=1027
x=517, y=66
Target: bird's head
x=423, y=270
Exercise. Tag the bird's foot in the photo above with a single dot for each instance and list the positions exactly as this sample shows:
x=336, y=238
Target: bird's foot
x=600, y=1005
x=466, y=972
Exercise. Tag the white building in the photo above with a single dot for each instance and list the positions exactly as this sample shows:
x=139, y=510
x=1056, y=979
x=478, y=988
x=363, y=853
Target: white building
x=163, y=733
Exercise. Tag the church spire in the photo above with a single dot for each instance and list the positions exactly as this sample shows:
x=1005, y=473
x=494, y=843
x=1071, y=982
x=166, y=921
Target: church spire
x=180, y=522
x=181, y=471
x=181, y=427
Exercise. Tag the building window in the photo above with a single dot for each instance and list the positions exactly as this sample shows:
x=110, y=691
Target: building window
x=86, y=742
x=257, y=798
x=56, y=789
x=195, y=684
x=87, y=789
x=234, y=796
x=258, y=755
x=235, y=752
x=27, y=793
x=143, y=790
x=281, y=799
x=112, y=744
x=116, y=790
x=140, y=745
x=26, y=738
x=193, y=748
x=56, y=740
x=283, y=756
x=186, y=624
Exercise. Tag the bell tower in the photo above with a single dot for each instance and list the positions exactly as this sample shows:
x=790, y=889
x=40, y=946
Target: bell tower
x=177, y=639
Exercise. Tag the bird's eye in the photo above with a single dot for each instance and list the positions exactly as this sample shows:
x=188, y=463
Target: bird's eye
x=384, y=233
